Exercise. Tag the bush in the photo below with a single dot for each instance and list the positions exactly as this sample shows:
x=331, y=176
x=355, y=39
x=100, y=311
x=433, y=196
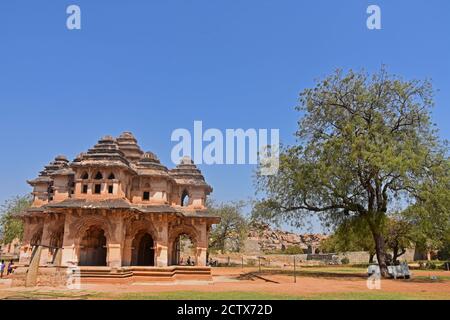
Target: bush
x=294, y=250
x=251, y=262
x=446, y=266
x=430, y=265
x=345, y=260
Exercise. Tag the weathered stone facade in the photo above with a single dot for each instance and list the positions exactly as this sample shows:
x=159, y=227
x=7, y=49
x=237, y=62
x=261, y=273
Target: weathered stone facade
x=116, y=206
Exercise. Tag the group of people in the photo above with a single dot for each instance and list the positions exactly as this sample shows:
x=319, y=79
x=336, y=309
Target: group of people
x=9, y=270
x=189, y=262
x=213, y=263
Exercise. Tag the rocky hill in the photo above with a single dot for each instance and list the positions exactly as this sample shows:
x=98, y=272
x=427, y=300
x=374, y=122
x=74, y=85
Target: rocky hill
x=262, y=238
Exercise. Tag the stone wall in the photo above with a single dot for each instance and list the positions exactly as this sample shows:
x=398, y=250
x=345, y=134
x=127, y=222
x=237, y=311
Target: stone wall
x=46, y=277
x=280, y=260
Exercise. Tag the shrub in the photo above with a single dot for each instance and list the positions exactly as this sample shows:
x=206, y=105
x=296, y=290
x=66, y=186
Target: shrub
x=251, y=262
x=431, y=265
x=345, y=260
x=294, y=250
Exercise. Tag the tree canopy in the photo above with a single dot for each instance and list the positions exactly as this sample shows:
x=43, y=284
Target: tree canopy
x=232, y=230
x=365, y=147
x=11, y=227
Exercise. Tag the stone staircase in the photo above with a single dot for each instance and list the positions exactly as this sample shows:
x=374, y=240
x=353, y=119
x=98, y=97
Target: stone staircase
x=143, y=274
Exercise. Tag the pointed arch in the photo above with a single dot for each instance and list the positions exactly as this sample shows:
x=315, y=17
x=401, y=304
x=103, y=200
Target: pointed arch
x=185, y=198
x=98, y=176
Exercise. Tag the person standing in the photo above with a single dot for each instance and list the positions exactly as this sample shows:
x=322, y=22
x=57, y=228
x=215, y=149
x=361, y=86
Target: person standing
x=10, y=268
x=2, y=268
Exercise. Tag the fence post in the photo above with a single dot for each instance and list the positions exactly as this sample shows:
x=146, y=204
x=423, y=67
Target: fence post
x=295, y=270
x=259, y=259
x=229, y=261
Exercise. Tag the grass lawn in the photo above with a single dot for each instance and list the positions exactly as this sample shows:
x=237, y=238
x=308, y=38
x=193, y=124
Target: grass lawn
x=320, y=272
x=267, y=296
x=233, y=296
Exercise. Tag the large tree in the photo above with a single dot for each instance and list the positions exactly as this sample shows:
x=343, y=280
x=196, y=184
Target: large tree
x=232, y=230
x=10, y=227
x=365, y=147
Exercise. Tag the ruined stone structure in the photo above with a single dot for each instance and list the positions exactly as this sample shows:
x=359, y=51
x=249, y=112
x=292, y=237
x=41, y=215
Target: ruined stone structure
x=116, y=206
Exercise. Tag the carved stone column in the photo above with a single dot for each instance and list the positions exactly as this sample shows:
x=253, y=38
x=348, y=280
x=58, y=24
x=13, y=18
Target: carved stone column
x=162, y=245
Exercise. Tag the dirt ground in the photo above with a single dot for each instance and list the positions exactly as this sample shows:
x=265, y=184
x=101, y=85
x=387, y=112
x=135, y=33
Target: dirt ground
x=310, y=282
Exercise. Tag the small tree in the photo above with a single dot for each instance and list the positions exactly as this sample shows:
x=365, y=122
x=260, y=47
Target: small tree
x=351, y=235
x=232, y=230
x=399, y=237
x=10, y=227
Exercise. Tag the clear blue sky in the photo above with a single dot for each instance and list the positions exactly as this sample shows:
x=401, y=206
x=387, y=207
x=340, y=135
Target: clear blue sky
x=153, y=66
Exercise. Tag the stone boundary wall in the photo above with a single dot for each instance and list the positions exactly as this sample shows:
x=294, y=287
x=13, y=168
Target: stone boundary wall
x=46, y=277
x=360, y=257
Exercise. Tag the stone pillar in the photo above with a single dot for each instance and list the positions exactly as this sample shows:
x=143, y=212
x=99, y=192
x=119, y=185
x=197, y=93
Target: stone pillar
x=201, y=256
x=126, y=252
x=202, y=244
x=69, y=250
x=162, y=256
x=33, y=270
x=69, y=256
x=114, y=255
x=45, y=243
x=162, y=246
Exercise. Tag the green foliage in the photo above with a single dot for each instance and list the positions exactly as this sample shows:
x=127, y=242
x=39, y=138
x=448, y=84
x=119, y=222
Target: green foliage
x=345, y=261
x=444, y=252
x=399, y=235
x=294, y=250
x=352, y=235
x=291, y=250
x=365, y=144
x=232, y=230
x=430, y=215
x=11, y=227
x=428, y=265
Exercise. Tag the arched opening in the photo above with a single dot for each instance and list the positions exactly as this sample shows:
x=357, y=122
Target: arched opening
x=56, y=242
x=35, y=242
x=143, y=250
x=111, y=176
x=184, y=251
x=98, y=176
x=37, y=238
x=185, y=199
x=85, y=176
x=93, y=248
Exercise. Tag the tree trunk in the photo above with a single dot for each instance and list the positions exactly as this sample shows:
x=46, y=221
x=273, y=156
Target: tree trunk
x=395, y=255
x=381, y=253
x=371, y=256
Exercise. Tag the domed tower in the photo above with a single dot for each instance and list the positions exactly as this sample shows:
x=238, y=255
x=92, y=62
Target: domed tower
x=43, y=185
x=128, y=145
x=102, y=172
x=153, y=183
x=191, y=188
